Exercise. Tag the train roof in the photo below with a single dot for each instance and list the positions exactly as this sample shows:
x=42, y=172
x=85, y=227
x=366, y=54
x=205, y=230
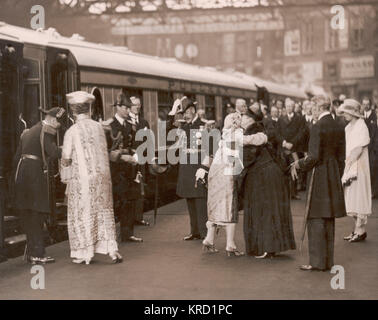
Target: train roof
x=110, y=57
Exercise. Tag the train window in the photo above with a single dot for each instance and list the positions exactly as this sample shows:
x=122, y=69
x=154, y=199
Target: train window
x=165, y=102
x=108, y=102
x=97, y=110
x=32, y=68
x=31, y=104
x=210, y=107
x=58, y=85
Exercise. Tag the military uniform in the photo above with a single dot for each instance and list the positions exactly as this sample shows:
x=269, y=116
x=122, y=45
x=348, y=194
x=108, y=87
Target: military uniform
x=35, y=159
x=138, y=123
x=126, y=192
x=194, y=193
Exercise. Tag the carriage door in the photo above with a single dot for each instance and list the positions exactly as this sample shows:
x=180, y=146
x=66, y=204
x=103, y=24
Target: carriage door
x=57, y=86
x=10, y=103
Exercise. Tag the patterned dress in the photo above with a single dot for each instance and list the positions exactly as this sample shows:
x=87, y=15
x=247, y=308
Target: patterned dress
x=222, y=198
x=90, y=216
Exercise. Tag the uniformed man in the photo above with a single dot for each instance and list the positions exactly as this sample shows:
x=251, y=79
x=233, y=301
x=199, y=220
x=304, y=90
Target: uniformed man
x=123, y=167
x=194, y=193
x=36, y=157
x=138, y=123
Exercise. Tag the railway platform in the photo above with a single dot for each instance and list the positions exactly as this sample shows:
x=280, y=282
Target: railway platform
x=166, y=267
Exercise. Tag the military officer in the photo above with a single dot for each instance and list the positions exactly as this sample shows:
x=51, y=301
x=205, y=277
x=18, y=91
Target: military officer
x=138, y=123
x=194, y=193
x=36, y=156
x=123, y=167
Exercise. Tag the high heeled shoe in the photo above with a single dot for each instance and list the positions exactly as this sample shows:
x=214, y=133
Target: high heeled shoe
x=266, y=255
x=82, y=261
x=210, y=248
x=347, y=238
x=116, y=257
x=234, y=252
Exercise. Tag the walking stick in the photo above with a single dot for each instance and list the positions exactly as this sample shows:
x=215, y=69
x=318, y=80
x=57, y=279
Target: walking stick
x=307, y=209
x=156, y=197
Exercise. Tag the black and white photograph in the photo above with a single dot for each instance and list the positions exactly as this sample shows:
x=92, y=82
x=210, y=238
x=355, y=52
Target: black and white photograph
x=188, y=154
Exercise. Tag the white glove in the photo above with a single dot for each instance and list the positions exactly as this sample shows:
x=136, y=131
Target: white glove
x=200, y=174
x=128, y=158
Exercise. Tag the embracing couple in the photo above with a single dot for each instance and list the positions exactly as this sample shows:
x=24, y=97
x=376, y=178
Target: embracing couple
x=252, y=179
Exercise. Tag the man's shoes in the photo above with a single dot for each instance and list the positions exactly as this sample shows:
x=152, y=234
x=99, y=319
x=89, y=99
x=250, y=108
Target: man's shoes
x=40, y=260
x=142, y=223
x=307, y=267
x=295, y=197
x=134, y=239
x=358, y=237
x=192, y=237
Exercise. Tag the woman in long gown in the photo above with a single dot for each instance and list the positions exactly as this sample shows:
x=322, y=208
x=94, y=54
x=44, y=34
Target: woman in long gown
x=85, y=170
x=222, y=203
x=268, y=225
x=356, y=177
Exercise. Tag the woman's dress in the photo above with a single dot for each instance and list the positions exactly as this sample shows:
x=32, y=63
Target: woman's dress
x=90, y=216
x=222, y=204
x=358, y=193
x=266, y=202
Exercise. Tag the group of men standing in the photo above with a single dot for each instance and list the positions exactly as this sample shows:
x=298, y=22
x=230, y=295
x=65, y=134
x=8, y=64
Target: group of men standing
x=36, y=162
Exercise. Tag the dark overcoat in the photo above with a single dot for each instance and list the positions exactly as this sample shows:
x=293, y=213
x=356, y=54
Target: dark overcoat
x=326, y=154
x=371, y=123
x=31, y=190
x=292, y=131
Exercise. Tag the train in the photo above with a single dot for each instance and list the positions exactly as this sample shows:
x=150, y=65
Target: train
x=39, y=67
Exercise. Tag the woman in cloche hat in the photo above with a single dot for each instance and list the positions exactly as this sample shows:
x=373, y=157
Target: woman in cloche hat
x=356, y=177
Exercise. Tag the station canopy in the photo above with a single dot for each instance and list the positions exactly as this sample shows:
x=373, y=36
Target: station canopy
x=122, y=6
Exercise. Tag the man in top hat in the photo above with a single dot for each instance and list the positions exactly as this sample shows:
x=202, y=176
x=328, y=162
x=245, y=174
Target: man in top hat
x=194, y=193
x=325, y=199
x=35, y=159
x=123, y=168
x=138, y=123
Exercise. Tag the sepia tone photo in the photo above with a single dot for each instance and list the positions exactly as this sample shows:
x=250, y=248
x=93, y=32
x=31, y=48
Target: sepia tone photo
x=188, y=150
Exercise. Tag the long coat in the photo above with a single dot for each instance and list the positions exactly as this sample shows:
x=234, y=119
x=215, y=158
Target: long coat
x=186, y=174
x=326, y=155
x=31, y=190
x=371, y=123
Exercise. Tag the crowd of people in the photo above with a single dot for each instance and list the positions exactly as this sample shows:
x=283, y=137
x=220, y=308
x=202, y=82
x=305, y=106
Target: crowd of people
x=264, y=156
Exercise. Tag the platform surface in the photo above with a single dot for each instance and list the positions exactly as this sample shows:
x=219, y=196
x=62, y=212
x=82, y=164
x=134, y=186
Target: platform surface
x=166, y=267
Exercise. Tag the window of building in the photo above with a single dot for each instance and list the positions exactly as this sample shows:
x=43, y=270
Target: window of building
x=241, y=48
x=331, y=37
x=308, y=37
x=357, y=33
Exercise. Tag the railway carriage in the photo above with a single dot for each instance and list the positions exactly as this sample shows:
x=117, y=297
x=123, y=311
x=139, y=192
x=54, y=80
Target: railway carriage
x=38, y=68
